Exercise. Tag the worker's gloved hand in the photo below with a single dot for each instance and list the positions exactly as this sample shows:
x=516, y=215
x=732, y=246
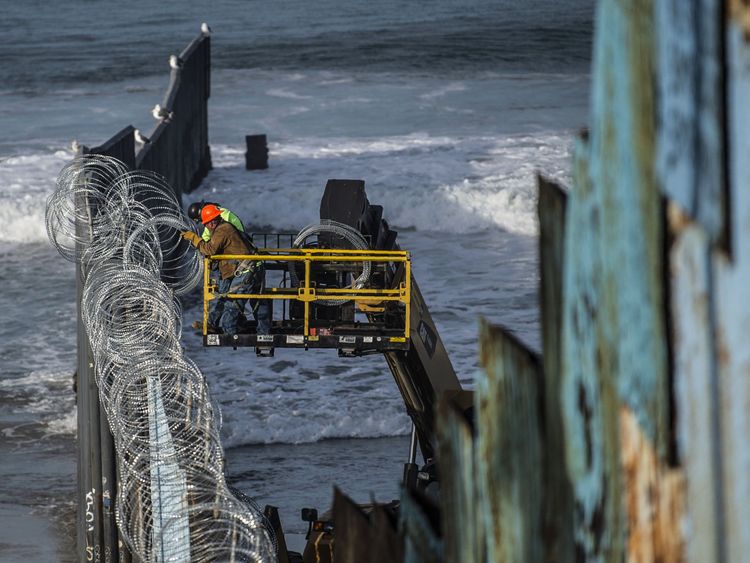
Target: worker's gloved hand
x=192, y=237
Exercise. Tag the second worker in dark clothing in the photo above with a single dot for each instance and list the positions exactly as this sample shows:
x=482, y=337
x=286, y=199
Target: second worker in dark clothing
x=243, y=277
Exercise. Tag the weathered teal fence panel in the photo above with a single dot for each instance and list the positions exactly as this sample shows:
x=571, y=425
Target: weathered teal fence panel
x=677, y=65
x=690, y=150
x=710, y=193
x=589, y=401
x=654, y=445
x=509, y=449
x=622, y=146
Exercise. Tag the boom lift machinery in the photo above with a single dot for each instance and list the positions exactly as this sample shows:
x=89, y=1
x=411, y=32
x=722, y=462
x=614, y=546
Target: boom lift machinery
x=346, y=284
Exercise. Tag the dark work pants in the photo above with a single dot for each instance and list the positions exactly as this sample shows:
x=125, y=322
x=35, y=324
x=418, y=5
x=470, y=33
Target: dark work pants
x=226, y=312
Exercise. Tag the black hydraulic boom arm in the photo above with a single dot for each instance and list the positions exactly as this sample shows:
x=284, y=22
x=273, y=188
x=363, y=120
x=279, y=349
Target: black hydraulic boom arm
x=424, y=372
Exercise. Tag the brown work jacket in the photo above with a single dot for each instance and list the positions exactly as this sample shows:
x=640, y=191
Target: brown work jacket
x=225, y=240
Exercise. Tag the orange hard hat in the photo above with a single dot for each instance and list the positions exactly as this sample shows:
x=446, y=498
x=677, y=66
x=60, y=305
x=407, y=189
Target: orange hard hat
x=209, y=213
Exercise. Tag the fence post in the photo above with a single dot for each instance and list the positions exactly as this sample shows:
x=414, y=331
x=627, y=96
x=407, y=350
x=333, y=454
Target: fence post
x=509, y=449
x=559, y=498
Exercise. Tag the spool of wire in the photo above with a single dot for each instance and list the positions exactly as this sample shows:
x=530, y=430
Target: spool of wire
x=350, y=236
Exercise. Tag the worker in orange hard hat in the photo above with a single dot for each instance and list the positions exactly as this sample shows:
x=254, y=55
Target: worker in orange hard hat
x=245, y=276
x=209, y=213
x=194, y=212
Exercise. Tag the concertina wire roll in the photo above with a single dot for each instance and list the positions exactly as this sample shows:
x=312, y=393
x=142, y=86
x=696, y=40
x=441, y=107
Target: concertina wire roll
x=173, y=503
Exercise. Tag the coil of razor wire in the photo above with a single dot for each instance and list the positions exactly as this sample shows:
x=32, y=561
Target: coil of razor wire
x=76, y=208
x=350, y=235
x=180, y=275
x=173, y=503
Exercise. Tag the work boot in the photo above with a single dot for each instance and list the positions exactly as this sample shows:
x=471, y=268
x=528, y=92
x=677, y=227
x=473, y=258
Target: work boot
x=211, y=329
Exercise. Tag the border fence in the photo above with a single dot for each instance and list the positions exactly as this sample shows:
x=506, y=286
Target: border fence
x=178, y=150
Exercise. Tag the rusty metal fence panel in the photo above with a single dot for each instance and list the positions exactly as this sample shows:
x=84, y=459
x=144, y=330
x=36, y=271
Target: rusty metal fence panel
x=628, y=202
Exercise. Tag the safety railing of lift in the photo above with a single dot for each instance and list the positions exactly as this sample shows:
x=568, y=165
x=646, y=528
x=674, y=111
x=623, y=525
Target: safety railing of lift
x=307, y=293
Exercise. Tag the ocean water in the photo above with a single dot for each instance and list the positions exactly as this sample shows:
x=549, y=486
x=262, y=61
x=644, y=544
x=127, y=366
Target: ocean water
x=447, y=110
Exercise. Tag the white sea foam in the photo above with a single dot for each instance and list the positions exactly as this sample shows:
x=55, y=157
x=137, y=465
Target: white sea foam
x=281, y=93
x=323, y=423
x=451, y=185
x=46, y=379
x=66, y=425
x=25, y=183
x=442, y=91
x=47, y=396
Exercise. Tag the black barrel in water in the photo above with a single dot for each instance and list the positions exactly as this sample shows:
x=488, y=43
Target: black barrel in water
x=256, y=157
